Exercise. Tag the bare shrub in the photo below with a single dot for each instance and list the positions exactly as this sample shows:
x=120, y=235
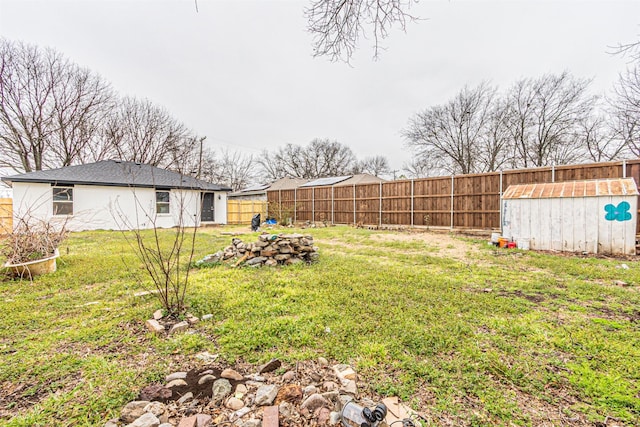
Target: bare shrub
x=33, y=239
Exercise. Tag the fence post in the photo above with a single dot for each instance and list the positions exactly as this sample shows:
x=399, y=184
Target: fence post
x=452, y=179
x=313, y=204
x=500, y=207
x=295, y=205
x=332, y=207
x=354, y=205
x=280, y=204
x=412, y=182
x=380, y=212
x=624, y=168
x=553, y=173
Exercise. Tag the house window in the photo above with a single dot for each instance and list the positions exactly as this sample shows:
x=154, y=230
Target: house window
x=162, y=202
x=63, y=200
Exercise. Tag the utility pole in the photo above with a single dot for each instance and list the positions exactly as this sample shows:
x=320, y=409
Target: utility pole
x=200, y=159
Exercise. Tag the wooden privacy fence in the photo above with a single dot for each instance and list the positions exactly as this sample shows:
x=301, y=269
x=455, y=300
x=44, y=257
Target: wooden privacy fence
x=462, y=201
x=241, y=211
x=6, y=216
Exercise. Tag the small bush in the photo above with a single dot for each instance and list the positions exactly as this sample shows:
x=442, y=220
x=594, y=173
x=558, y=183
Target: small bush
x=32, y=239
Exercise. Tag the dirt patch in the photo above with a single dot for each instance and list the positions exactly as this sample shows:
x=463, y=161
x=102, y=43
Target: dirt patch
x=21, y=397
x=535, y=298
x=441, y=245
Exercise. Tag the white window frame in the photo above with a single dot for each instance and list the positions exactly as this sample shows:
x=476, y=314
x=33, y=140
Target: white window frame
x=69, y=200
x=161, y=203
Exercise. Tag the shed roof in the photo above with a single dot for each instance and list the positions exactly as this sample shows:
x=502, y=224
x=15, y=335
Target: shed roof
x=568, y=189
x=116, y=173
x=287, y=184
x=362, y=178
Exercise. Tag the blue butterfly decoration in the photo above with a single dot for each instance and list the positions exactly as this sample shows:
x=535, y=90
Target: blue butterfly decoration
x=618, y=213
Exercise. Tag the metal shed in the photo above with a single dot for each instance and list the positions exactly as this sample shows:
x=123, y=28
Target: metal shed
x=597, y=216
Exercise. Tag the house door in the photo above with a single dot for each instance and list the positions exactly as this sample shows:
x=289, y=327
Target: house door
x=207, y=213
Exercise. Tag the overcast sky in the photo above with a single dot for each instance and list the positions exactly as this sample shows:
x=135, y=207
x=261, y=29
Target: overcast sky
x=242, y=72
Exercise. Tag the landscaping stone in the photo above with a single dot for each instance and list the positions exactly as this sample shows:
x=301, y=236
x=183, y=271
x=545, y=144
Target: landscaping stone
x=314, y=402
x=266, y=395
x=291, y=393
x=345, y=372
x=207, y=316
x=310, y=389
x=157, y=315
x=185, y=398
x=203, y=420
x=179, y=327
x=188, y=422
x=220, y=390
x=322, y=361
x=349, y=386
x=146, y=420
x=154, y=326
x=231, y=375
x=234, y=403
x=156, y=408
x=270, y=366
x=322, y=415
x=307, y=396
x=207, y=357
x=269, y=250
x=289, y=376
x=175, y=376
x=206, y=378
x=133, y=410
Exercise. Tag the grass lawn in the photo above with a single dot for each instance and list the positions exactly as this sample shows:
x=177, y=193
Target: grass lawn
x=468, y=334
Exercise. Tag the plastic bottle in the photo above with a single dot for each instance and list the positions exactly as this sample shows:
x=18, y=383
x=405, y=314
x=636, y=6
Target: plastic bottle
x=352, y=416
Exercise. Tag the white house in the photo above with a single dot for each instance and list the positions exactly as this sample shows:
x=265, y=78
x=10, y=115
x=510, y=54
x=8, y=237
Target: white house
x=117, y=195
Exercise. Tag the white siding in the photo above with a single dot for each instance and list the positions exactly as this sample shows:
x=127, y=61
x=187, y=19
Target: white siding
x=220, y=208
x=113, y=208
x=570, y=224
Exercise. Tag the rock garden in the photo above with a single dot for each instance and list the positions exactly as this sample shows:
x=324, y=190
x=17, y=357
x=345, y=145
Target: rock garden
x=311, y=393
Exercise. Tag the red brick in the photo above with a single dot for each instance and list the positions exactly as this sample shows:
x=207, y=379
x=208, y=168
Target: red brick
x=188, y=422
x=203, y=420
x=270, y=417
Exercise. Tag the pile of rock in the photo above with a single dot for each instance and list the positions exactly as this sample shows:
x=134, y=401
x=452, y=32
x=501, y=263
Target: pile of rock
x=313, y=393
x=269, y=250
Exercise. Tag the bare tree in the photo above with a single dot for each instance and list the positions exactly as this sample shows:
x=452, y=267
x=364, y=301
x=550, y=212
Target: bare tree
x=543, y=114
x=600, y=139
x=626, y=109
x=337, y=25
x=50, y=109
x=424, y=167
x=374, y=165
x=496, y=150
x=320, y=158
x=232, y=169
x=140, y=131
x=454, y=134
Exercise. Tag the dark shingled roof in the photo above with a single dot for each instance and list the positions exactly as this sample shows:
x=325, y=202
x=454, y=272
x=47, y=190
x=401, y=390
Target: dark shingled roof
x=118, y=174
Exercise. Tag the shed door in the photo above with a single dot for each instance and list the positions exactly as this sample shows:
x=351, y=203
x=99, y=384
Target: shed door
x=207, y=213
